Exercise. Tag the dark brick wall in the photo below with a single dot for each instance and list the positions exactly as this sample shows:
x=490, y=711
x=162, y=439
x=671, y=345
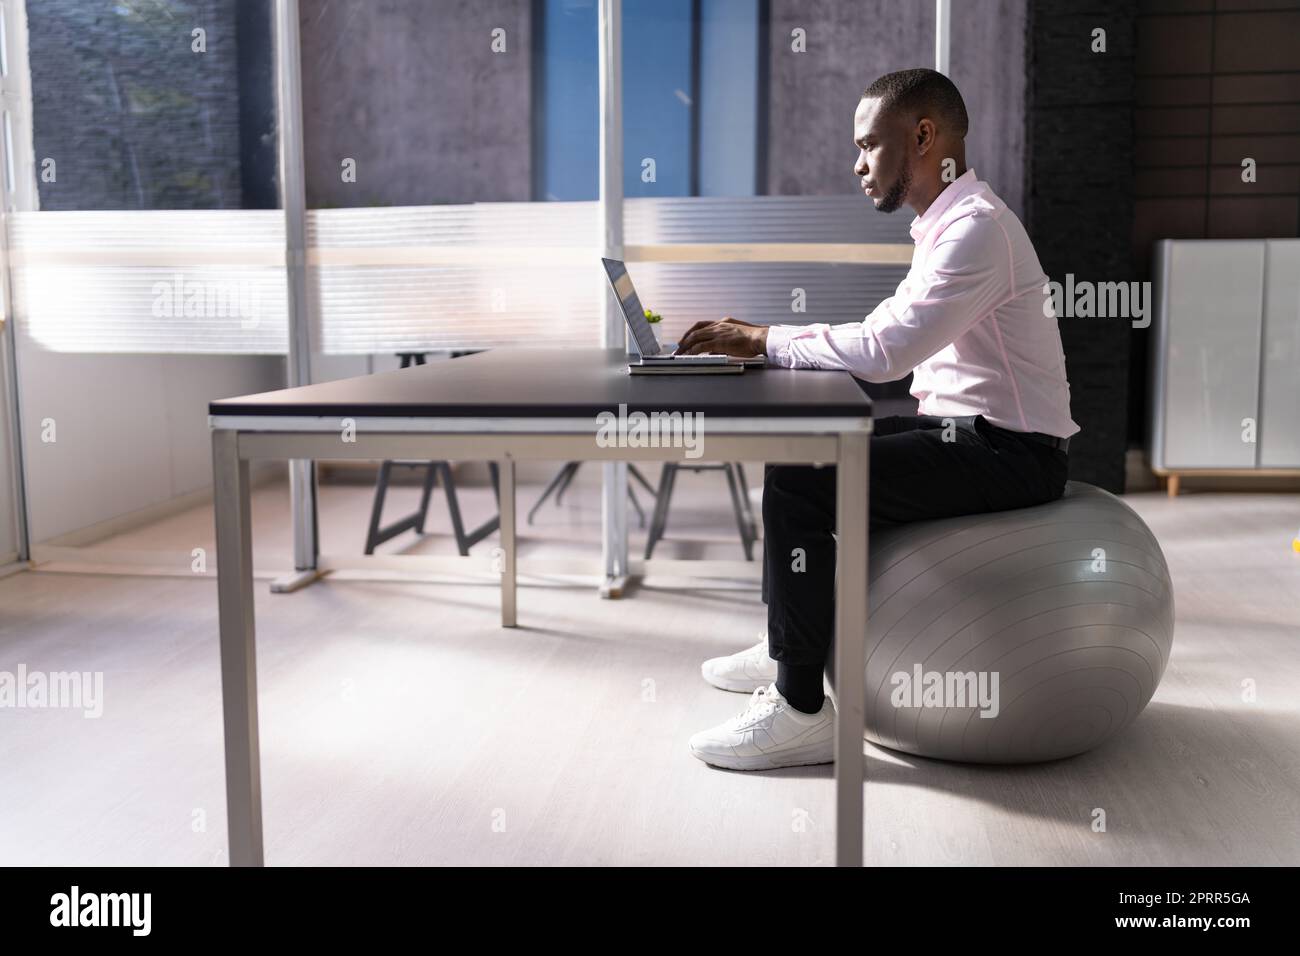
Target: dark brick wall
x=1079, y=196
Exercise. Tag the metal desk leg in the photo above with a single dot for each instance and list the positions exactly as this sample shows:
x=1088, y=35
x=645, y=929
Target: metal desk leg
x=507, y=509
x=238, y=659
x=613, y=521
x=850, y=644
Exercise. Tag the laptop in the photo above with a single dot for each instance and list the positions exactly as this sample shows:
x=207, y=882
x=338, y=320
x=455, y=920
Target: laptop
x=643, y=335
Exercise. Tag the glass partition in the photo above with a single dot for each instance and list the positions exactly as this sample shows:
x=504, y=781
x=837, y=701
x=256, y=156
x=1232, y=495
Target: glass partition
x=147, y=266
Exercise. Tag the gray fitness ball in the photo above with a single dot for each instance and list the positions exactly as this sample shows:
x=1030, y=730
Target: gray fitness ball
x=1055, y=620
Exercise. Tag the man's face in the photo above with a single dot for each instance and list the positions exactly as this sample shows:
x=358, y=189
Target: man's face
x=884, y=165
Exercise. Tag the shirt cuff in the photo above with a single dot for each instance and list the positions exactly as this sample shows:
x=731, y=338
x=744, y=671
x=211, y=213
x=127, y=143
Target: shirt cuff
x=778, y=344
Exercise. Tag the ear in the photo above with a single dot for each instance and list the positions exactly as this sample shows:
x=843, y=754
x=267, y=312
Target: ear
x=925, y=135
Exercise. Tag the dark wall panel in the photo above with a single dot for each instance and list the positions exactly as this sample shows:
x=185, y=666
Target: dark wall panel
x=1080, y=205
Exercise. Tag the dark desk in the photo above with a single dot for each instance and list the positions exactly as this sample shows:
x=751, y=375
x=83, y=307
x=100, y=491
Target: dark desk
x=510, y=405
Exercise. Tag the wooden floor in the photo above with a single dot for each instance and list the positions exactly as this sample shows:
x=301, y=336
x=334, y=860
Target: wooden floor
x=401, y=725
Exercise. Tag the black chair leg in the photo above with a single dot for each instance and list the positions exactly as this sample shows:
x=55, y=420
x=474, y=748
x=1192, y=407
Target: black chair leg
x=560, y=476
x=377, y=508
x=744, y=499
x=635, y=472
x=640, y=514
x=570, y=470
x=466, y=540
x=490, y=526
x=742, y=524
x=376, y=534
x=667, y=478
x=430, y=479
x=564, y=477
x=453, y=507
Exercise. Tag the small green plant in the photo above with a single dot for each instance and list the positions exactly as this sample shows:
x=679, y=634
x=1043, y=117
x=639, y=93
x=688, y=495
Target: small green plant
x=652, y=316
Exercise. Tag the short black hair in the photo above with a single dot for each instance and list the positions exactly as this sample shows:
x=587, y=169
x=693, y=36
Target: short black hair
x=923, y=93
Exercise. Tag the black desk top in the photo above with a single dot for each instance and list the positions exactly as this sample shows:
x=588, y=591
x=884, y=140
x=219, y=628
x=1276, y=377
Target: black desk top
x=559, y=383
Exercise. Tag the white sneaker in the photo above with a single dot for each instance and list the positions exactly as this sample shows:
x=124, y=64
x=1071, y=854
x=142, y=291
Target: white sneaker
x=769, y=733
x=744, y=672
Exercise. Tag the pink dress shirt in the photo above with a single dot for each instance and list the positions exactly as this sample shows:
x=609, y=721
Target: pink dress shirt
x=973, y=319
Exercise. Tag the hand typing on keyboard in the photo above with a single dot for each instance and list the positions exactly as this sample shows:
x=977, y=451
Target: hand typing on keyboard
x=727, y=336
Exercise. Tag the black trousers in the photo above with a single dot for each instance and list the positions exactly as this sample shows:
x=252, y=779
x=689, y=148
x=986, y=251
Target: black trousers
x=918, y=470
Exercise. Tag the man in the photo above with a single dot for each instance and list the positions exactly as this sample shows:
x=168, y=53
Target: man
x=973, y=320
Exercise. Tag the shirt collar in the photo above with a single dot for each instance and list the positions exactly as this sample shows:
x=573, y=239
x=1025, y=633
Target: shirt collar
x=955, y=190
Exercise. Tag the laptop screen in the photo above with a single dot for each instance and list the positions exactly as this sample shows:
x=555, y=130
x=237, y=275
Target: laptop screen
x=642, y=333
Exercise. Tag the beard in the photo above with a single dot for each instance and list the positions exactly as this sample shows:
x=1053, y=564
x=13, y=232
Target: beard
x=897, y=194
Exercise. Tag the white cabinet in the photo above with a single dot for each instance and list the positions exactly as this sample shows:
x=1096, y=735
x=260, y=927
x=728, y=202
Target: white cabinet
x=1225, y=391
x=1279, y=417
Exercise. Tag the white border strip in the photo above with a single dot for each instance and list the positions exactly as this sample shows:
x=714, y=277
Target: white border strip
x=799, y=427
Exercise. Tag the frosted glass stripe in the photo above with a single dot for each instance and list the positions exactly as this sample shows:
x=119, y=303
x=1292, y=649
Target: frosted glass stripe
x=221, y=310
x=180, y=281
x=399, y=309
x=153, y=229
x=782, y=219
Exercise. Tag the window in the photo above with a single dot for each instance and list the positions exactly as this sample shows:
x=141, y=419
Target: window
x=153, y=104
x=691, y=98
